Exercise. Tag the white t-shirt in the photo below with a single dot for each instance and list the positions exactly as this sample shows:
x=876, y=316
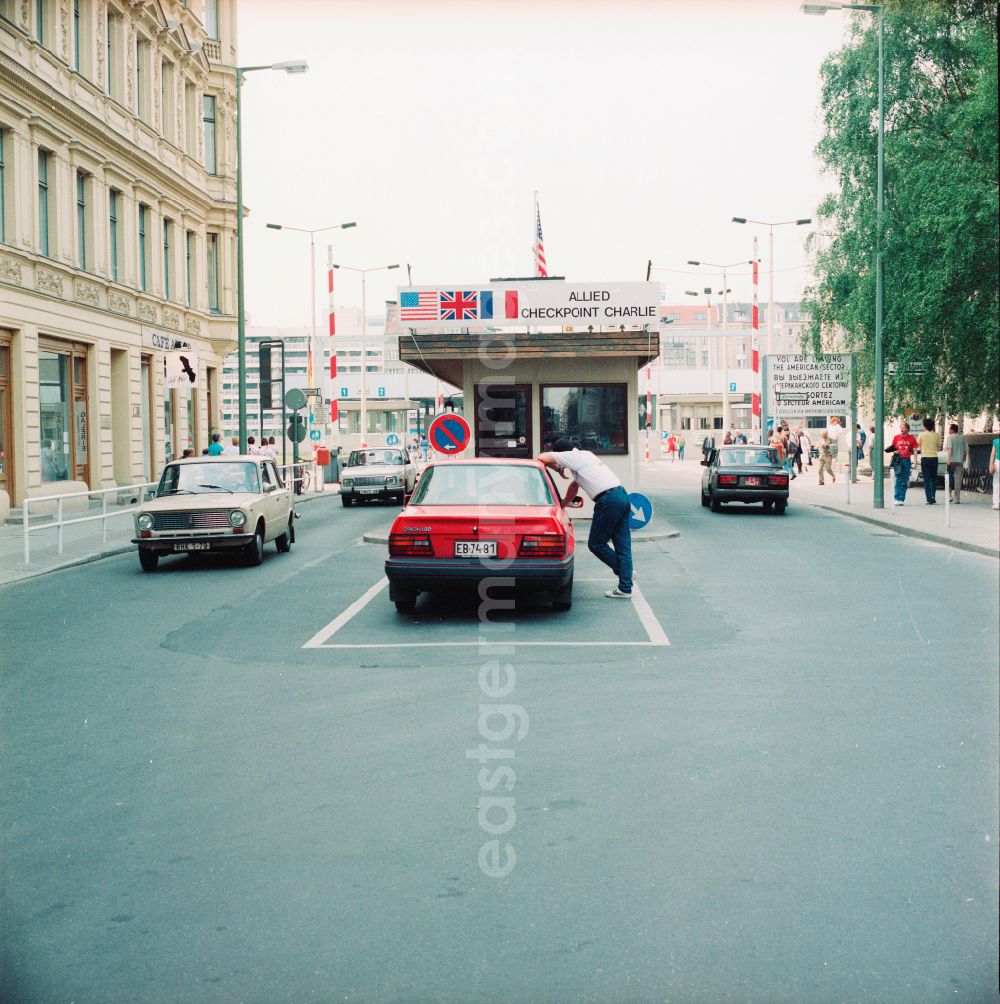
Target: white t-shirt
x=588, y=471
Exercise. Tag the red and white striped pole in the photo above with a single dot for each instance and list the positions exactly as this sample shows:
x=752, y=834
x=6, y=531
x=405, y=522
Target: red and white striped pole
x=755, y=421
x=334, y=392
x=649, y=406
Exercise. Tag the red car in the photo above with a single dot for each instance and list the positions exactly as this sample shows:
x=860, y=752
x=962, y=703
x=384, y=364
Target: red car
x=485, y=519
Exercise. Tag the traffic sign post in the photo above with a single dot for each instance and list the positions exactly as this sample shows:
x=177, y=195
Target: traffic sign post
x=392, y=439
x=449, y=434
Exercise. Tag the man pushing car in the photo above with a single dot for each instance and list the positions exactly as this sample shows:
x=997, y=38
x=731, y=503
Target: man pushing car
x=611, y=509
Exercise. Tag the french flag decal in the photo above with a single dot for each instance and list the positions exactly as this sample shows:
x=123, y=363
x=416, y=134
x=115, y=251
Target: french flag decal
x=510, y=304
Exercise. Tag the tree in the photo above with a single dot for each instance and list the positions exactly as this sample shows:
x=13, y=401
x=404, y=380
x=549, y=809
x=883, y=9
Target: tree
x=940, y=241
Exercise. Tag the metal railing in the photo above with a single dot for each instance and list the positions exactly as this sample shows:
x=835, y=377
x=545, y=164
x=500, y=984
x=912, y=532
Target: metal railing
x=60, y=521
x=305, y=476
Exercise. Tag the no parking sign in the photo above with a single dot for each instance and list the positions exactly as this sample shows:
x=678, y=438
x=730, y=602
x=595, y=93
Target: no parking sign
x=449, y=434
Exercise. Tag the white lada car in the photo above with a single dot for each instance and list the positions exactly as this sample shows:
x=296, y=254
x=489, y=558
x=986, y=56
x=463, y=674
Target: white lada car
x=210, y=504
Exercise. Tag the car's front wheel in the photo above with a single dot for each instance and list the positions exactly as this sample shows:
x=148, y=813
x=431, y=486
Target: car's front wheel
x=255, y=549
x=346, y=500
x=148, y=560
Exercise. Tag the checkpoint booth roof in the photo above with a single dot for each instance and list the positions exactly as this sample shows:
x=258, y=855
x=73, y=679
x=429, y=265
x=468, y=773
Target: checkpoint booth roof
x=538, y=360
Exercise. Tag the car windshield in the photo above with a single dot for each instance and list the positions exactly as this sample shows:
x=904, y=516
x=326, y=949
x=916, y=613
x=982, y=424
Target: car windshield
x=235, y=476
x=483, y=484
x=364, y=458
x=747, y=457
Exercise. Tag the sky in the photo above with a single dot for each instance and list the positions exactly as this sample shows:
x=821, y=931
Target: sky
x=643, y=126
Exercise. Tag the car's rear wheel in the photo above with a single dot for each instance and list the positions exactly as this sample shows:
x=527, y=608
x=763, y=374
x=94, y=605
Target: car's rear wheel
x=715, y=504
x=284, y=541
x=562, y=599
x=704, y=498
x=346, y=500
x=780, y=506
x=148, y=560
x=406, y=603
x=768, y=505
x=255, y=549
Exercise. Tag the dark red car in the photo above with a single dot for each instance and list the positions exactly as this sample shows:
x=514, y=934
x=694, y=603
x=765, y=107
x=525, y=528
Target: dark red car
x=485, y=519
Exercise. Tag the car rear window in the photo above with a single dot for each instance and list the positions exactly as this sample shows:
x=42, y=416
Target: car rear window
x=232, y=476
x=483, y=484
x=745, y=457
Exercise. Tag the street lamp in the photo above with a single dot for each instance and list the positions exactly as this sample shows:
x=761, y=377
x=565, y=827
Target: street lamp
x=290, y=66
x=364, y=342
x=878, y=489
x=726, y=409
x=770, y=266
x=312, y=272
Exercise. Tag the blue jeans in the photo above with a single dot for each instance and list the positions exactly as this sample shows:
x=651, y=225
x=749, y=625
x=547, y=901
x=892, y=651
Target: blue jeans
x=610, y=522
x=928, y=471
x=902, y=479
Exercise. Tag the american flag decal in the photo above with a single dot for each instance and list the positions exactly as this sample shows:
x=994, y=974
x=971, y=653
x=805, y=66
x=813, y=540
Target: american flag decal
x=418, y=306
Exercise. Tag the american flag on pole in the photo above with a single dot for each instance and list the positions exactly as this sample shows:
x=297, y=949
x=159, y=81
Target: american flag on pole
x=540, y=266
x=418, y=306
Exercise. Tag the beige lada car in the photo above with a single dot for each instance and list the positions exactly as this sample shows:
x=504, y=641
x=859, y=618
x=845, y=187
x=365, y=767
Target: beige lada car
x=211, y=504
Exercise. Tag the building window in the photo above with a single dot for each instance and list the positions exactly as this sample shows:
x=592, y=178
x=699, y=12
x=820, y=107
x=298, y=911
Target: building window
x=113, y=233
x=81, y=220
x=76, y=35
x=209, y=120
x=212, y=19
x=190, y=124
x=189, y=263
x=143, y=246
x=3, y=189
x=43, y=202
x=591, y=417
x=168, y=98
x=142, y=78
x=62, y=397
x=41, y=17
x=115, y=43
x=212, y=269
x=167, y=235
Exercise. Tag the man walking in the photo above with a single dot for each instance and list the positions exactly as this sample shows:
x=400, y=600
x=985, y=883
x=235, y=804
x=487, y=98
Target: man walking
x=826, y=458
x=611, y=509
x=904, y=446
x=929, y=443
x=958, y=453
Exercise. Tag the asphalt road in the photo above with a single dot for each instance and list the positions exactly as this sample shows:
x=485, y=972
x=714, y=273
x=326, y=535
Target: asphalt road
x=793, y=800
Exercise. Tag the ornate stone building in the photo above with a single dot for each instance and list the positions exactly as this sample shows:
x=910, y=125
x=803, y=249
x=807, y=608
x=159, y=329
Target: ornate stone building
x=117, y=236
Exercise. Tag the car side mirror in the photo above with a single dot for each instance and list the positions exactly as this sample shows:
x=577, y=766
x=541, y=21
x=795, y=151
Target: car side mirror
x=270, y=488
x=577, y=503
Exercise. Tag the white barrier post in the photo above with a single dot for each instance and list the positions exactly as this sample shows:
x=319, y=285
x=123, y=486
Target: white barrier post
x=26, y=531
x=59, y=522
x=104, y=515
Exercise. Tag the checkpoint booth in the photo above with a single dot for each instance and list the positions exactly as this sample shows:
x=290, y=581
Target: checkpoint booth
x=538, y=360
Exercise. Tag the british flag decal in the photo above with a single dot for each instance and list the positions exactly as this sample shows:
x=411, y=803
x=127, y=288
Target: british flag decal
x=460, y=305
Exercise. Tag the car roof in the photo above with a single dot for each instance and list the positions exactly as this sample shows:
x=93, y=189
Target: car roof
x=505, y=461
x=204, y=458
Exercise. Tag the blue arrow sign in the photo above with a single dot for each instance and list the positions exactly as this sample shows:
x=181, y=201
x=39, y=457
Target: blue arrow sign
x=640, y=511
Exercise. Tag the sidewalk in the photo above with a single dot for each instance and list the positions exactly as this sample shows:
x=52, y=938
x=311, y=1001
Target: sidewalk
x=974, y=525
x=82, y=543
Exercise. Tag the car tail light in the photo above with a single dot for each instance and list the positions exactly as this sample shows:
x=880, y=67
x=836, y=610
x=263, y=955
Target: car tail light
x=778, y=481
x=728, y=479
x=542, y=545
x=409, y=545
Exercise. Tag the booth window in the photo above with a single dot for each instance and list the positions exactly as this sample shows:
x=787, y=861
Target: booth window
x=592, y=417
x=503, y=420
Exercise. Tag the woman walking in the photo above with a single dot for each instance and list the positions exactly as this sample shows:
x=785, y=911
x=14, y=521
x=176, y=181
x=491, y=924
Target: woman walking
x=929, y=443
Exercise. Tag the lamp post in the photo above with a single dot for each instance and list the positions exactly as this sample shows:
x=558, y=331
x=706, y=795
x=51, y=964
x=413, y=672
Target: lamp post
x=312, y=272
x=726, y=409
x=291, y=66
x=364, y=343
x=878, y=490
x=770, y=265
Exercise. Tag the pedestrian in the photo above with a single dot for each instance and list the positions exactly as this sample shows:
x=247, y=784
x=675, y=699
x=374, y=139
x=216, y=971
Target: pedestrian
x=859, y=439
x=794, y=452
x=680, y=447
x=929, y=444
x=252, y=448
x=215, y=447
x=826, y=457
x=233, y=449
x=612, y=509
x=903, y=445
x=727, y=440
x=272, y=448
x=187, y=453
x=672, y=448
x=739, y=439
x=805, y=449
x=995, y=468
x=424, y=446
x=958, y=457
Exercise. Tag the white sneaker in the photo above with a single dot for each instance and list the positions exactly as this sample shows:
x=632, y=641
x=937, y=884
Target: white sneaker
x=617, y=594
x=897, y=502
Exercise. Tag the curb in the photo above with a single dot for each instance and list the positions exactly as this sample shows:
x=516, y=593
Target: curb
x=111, y=552
x=906, y=531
